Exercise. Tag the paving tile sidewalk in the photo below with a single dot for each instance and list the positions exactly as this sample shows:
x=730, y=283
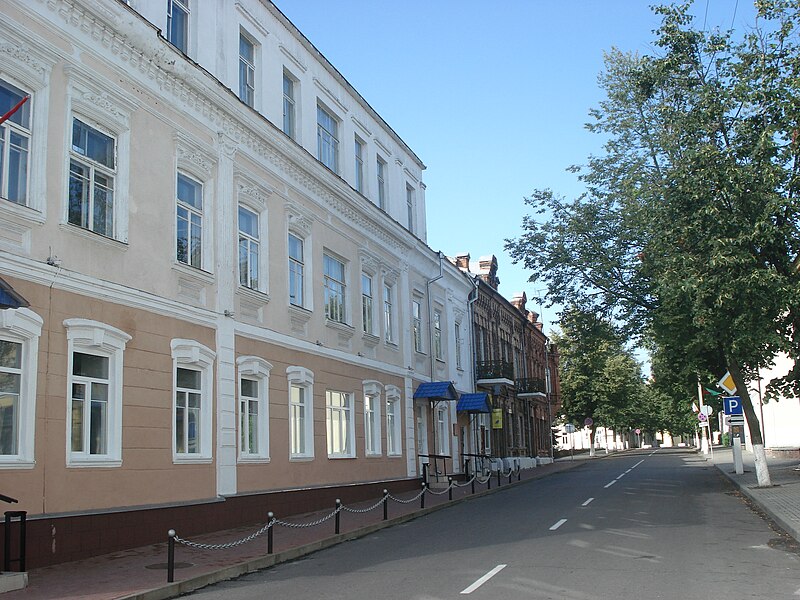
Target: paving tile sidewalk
x=140, y=573
x=781, y=501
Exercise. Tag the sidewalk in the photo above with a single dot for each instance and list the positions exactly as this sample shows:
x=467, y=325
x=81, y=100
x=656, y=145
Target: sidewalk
x=781, y=502
x=141, y=574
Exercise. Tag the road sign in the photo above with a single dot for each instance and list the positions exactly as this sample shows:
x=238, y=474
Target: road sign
x=706, y=410
x=733, y=405
x=569, y=428
x=726, y=383
x=638, y=431
x=737, y=419
x=588, y=421
x=702, y=417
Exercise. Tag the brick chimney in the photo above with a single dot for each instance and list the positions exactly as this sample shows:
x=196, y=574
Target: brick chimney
x=488, y=270
x=519, y=301
x=462, y=261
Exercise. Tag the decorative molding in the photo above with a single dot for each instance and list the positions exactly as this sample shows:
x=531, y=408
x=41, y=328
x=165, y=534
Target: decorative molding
x=295, y=60
x=95, y=334
x=370, y=263
x=372, y=387
x=253, y=365
x=386, y=152
x=194, y=157
x=298, y=319
x=411, y=176
x=298, y=219
x=255, y=194
x=331, y=96
x=360, y=125
x=23, y=55
x=256, y=22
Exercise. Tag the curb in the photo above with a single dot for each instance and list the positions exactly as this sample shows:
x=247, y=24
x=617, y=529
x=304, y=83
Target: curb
x=178, y=588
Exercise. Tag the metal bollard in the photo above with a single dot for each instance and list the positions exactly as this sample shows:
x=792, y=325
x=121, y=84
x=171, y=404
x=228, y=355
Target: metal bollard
x=385, y=505
x=499, y=483
x=489, y=482
x=270, y=516
x=509, y=475
x=450, y=488
x=338, y=506
x=473, y=485
x=171, y=556
x=519, y=474
x=422, y=497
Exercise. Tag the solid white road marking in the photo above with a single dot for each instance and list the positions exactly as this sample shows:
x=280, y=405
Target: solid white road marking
x=609, y=484
x=587, y=502
x=483, y=579
x=558, y=524
x=621, y=476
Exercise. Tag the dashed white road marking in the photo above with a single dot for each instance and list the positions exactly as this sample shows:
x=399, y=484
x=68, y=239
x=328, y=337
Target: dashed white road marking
x=621, y=476
x=587, y=502
x=557, y=524
x=610, y=483
x=637, y=464
x=483, y=579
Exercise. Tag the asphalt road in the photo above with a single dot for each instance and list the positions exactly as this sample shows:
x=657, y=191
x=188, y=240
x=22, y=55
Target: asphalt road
x=639, y=525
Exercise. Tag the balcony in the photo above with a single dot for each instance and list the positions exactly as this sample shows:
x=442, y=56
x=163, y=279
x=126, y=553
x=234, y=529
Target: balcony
x=531, y=387
x=494, y=371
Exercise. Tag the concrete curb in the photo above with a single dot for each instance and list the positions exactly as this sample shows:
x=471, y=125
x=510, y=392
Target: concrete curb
x=178, y=588
x=788, y=527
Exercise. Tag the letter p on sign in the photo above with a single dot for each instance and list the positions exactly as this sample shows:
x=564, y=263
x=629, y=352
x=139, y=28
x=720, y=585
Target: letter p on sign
x=733, y=405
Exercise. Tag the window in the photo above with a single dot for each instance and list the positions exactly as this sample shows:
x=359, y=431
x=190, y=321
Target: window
x=189, y=238
x=333, y=272
x=296, y=266
x=442, y=433
x=437, y=334
x=94, y=400
x=416, y=315
x=92, y=168
x=366, y=303
x=339, y=417
x=19, y=342
x=193, y=385
x=393, y=421
x=15, y=138
x=327, y=139
x=410, y=207
x=253, y=408
x=372, y=418
x=301, y=412
x=380, y=167
x=289, y=108
x=247, y=70
x=178, y=24
x=248, y=248
x=457, y=333
x=359, y=165
x=388, y=314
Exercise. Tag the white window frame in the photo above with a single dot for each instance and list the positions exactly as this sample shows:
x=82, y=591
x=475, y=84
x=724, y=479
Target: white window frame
x=388, y=313
x=258, y=370
x=294, y=266
x=192, y=355
x=191, y=212
x=437, y=334
x=91, y=337
x=328, y=138
x=358, y=157
x=290, y=105
x=346, y=422
x=183, y=6
x=442, y=413
x=23, y=326
x=303, y=379
x=251, y=241
x=381, y=175
x=416, y=324
x=25, y=132
x=410, y=208
x=335, y=288
x=247, y=69
x=394, y=422
x=368, y=303
x=458, y=344
x=372, y=417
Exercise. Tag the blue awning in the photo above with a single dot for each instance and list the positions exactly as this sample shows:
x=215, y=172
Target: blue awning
x=436, y=390
x=474, y=403
x=9, y=298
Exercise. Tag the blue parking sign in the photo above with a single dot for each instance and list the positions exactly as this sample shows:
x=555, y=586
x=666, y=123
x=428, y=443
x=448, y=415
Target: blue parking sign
x=733, y=405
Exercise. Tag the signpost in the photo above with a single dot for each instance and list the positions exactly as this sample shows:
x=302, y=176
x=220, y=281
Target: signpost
x=733, y=407
x=570, y=429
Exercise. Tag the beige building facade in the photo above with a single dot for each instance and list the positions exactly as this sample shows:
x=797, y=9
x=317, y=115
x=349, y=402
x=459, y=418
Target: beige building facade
x=216, y=291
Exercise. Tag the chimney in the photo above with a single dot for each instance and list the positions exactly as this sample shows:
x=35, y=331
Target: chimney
x=462, y=261
x=519, y=301
x=488, y=271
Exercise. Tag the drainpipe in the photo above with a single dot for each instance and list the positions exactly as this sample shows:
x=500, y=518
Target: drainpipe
x=547, y=379
x=472, y=298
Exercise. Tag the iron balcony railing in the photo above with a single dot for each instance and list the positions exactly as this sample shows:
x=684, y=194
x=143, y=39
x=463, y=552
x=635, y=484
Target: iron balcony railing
x=494, y=369
x=530, y=385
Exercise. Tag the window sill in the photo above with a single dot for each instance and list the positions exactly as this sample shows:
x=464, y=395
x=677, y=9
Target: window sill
x=373, y=455
x=193, y=272
x=395, y=455
x=254, y=460
x=191, y=460
x=94, y=463
x=253, y=294
x=300, y=458
x=371, y=340
x=94, y=237
x=392, y=345
x=21, y=213
x=17, y=464
x=340, y=457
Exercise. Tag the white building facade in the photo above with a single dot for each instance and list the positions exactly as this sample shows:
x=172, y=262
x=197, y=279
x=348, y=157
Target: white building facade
x=215, y=284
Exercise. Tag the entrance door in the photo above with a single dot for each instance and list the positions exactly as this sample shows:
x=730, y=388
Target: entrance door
x=422, y=434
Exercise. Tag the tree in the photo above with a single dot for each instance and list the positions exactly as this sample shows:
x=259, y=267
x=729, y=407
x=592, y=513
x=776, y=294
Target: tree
x=689, y=232
x=599, y=378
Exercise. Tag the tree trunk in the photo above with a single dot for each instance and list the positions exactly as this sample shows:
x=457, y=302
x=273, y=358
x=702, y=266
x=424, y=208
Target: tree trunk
x=753, y=425
x=591, y=439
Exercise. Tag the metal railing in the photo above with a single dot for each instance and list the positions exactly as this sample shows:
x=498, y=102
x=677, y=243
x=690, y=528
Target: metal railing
x=530, y=385
x=494, y=369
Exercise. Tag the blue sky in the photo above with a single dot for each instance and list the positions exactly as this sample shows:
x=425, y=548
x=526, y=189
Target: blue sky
x=492, y=96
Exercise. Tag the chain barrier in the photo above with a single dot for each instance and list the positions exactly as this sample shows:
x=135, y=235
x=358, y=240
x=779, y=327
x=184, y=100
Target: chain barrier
x=483, y=481
x=444, y=491
x=226, y=546
x=362, y=510
x=312, y=523
x=410, y=500
x=466, y=483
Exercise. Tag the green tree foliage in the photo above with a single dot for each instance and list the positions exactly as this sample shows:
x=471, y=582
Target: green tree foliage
x=599, y=378
x=689, y=232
